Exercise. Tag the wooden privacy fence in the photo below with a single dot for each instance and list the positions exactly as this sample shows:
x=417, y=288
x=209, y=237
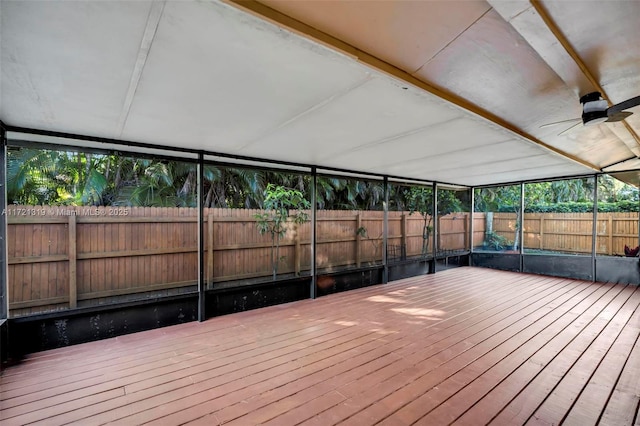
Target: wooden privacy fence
x=61, y=257
x=67, y=256
x=566, y=232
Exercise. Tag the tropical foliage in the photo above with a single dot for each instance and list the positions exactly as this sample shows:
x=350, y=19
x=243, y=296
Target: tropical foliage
x=39, y=177
x=281, y=207
x=54, y=177
x=420, y=200
x=562, y=196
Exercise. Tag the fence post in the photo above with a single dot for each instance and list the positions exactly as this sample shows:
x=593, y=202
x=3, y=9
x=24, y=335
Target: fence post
x=210, y=248
x=73, y=265
x=541, y=231
x=403, y=233
x=610, y=231
x=358, y=238
x=439, y=233
x=465, y=227
x=296, y=254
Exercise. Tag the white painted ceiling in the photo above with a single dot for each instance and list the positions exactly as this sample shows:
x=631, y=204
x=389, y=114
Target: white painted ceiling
x=446, y=91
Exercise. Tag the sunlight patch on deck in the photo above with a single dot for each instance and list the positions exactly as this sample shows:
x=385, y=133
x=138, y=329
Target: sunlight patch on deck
x=384, y=299
x=422, y=313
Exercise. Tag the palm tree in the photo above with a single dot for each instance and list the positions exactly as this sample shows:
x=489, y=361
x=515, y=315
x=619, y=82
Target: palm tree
x=42, y=176
x=159, y=184
x=420, y=200
x=500, y=198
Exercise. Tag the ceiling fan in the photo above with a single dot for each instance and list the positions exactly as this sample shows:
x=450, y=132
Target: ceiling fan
x=595, y=110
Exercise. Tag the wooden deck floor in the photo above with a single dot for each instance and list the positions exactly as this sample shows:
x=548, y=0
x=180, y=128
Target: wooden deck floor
x=465, y=346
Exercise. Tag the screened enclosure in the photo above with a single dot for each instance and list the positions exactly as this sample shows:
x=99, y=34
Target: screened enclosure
x=100, y=230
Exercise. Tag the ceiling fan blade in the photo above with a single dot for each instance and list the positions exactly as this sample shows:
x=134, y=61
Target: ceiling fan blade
x=629, y=103
x=579, y=123
x=618, y=116
x=560, y=122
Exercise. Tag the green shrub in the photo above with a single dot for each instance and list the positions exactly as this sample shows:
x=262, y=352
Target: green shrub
x=578, y=207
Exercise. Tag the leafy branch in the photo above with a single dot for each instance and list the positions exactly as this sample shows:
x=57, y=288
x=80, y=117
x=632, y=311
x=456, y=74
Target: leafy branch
x=278, y=203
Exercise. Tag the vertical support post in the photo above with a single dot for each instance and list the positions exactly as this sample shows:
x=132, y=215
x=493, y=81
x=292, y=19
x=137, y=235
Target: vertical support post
x=434, y=215
x=541, y=231
x=4, y=275
x=594, y=228
x=472, y=229
x=296, y=254
x=610, y=231
x=358, y=247
x=521, y=227
x=210, y=249
x=73, y=263
x=4, y=278
x=313, y=292
x=385, y=231
x=202, y=315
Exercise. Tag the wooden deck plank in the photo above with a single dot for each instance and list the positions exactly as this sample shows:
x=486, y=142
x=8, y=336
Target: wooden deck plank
x=440, y=404
x=623, y=406
x=256, y=414
x=574, y=384
x=157, y=389
x=192, y=404
x=466, y=345
x=464, y=397
x=174, y=348
x=303, y=411
x=490, y=404
x=441, y=358
x=117, y=361
x=522, y=407
x=150, y=343
x=408, y=404
x=149, y=379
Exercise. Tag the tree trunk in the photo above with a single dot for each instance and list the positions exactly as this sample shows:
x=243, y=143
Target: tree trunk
x=516, y=238
x=186, y=187
x=274, y=266
x=118, y=179
x=488, y=223
x=426, y=236
x=207, y=200
x=488, y=228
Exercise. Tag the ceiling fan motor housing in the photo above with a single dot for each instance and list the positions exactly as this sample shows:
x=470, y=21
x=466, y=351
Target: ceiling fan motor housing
x=594, y=108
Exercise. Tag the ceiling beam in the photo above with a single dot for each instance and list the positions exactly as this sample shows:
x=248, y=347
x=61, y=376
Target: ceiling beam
x=532, y=21
x=557, y=34
x=574, y=55
x=264, y=12
x=153, y=20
